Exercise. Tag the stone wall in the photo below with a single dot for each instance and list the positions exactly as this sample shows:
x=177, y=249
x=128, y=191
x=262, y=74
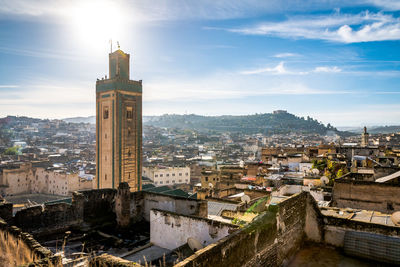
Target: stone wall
x=17, y=247
x=335, y=229
x=171, y=230
x=51, y=218
x=366, y=195
x=142, y=202
x=269, y=240
x=6, y=212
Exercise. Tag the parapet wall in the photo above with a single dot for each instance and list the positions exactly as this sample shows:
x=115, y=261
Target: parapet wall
x=51, y=218
x=366, y=195
x=171, y=230
x=18, y=248
x=268, y=241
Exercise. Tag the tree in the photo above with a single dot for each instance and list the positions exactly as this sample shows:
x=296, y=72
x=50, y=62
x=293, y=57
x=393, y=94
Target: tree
x=11, y=151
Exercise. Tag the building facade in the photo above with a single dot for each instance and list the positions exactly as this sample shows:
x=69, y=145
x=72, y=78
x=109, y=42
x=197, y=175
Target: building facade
x=36, y=180
x=118, y=126
x=167, y=175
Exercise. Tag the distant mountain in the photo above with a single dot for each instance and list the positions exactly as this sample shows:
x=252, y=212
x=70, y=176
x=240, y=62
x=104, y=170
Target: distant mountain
x=90, y=119
x=371, y=129
x=384, y=129
x=268, y=123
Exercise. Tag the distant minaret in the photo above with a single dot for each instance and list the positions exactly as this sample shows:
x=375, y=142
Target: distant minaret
x=118, y=126
x=365, y=138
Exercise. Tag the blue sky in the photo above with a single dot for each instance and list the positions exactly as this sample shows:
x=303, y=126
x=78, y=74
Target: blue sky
x=337, y=61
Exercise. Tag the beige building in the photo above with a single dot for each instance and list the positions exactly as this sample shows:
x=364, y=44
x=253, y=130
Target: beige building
x=31, y=180
x=167, y=175
x=118, y=126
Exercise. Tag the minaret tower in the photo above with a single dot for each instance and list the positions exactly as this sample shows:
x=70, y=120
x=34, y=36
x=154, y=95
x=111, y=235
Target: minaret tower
x=365, y=138
x=118, y=126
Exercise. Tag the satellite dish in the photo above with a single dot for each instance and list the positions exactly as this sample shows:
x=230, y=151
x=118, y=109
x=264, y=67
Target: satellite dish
x=210, y=185
x=245, y=198
x=396, y=218
x=194, y=244
x=324, y=180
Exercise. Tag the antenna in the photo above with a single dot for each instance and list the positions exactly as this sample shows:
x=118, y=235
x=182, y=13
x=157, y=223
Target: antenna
x=110, y=45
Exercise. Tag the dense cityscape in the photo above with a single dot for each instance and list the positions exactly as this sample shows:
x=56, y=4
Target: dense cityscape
x=222, y=134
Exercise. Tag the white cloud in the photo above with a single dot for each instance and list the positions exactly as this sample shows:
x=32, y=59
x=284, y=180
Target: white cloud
x=283, y=55
x=345, y=28
x=145, y=10
x=333, y=69
x=49, y=99
x=278, y=69
x=8, y=86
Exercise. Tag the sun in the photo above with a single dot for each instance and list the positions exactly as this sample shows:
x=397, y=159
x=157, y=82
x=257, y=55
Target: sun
x=96, y=22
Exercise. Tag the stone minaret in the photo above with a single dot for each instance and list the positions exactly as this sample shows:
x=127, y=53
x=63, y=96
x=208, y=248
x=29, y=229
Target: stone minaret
x=365, y=138
x=118, y=126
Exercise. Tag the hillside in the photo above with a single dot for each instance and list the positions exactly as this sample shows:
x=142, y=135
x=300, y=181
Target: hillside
x=384, y=129
x=90, y=119
x=267, y=123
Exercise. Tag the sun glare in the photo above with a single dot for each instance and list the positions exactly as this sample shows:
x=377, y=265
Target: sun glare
x=96, y=22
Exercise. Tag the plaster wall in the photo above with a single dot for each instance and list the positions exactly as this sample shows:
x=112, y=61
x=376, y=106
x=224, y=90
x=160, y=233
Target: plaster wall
x=366, y=195
x=170, y=230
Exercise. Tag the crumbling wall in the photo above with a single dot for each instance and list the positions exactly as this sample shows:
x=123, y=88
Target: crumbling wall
x=171, y=230
x=145, y=201
x=51, y=217
x=270, y=239
x=335, y=229
x=366, y=195
x=6, y=210
x=17, y=247
x=99, y=205
x=106, y=260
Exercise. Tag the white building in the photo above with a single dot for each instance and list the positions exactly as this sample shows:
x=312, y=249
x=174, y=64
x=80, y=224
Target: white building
x=167, y=175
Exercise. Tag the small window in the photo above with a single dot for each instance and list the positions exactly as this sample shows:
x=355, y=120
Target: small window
x=161, y=182
x=105, y=177
x=180, y=174
x=206, y=179
x=167, y=174
x=129, y=113
x=180, y=181
x=173, y=181
x=186, y=174
x=129, y=131
x=155, y=175
x=105, y=113
x=161, y=175
x=167, y=182
x=173, y=174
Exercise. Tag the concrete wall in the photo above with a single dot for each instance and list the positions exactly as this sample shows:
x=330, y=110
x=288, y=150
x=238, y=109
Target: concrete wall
x=170, y=230
x=366, y=195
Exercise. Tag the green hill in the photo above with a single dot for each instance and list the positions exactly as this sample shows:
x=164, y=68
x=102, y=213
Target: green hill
x=267, y=123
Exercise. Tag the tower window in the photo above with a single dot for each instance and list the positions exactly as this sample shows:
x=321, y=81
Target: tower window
x=105, y=177
x=129, y=113
x=105, y=113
